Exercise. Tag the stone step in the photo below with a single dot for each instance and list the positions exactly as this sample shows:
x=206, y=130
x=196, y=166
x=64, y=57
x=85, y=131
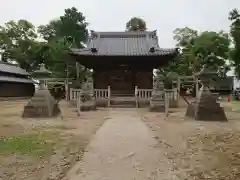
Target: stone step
x=123, y=106
x=123, y=102
x=122, y=95
x=123, y=98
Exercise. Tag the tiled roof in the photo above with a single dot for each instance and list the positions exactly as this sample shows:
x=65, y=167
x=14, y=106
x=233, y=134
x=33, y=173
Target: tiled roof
x=123, y=44
x=4, y=67
x=14, y=79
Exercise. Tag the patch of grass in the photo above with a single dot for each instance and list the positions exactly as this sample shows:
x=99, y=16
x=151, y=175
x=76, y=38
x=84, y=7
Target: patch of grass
x=64, y=127
x=38, y=144
x=237, y=103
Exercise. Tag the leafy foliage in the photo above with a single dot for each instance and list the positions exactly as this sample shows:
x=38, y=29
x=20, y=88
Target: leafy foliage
x=61, y=34
x=234, y=16
x=19, y=42
x=71, y=27
x=198, y=49
x=49, y=32
x=136, y=24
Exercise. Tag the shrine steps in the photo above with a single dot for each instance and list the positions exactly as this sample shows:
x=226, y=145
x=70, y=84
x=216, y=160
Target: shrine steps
x=122, y=106
x=113, y=95
x=123, y=101
x=126, y=102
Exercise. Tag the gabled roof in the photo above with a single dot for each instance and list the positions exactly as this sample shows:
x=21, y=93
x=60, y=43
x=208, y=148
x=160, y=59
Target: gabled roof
x=13, y=69
x=141, y=43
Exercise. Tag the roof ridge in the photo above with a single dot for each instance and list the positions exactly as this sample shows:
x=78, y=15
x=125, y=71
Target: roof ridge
x=121, y=31
x=12, y=68
x=95, y=34
x=10, y=64
x=122, y=43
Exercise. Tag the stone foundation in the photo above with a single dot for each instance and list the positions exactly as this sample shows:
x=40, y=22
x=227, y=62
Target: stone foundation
x=88, y=106
x=157, y=105
x=205, y=108
x=157, y=109
x=41, y=112
x=41, y=105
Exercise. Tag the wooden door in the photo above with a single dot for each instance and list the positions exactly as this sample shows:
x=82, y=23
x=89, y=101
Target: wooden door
x=122, y=81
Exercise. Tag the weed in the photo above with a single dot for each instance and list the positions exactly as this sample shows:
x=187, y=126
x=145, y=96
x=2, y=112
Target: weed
x=38, y=144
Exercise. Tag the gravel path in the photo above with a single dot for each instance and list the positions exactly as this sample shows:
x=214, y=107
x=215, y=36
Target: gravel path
x=123, y=148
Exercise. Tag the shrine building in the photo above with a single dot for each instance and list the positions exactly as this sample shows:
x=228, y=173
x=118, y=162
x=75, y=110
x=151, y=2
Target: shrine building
x=123, y=60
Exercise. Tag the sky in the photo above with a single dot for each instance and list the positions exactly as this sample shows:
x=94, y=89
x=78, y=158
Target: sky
x=109, y=15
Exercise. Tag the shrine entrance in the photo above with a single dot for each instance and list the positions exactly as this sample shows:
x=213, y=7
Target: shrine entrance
x=122, y=80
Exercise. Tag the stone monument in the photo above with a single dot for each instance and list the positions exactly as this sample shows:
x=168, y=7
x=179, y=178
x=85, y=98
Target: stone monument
x=42, y=104
x=205, y=107
x=157, y=102
x=87, y=100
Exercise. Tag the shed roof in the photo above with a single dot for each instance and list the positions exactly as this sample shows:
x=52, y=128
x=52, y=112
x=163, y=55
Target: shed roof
x=13, y=69
x=15, y=79
x=140, y=43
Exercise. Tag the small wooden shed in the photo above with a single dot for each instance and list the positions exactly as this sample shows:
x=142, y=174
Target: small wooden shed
x=15, y=81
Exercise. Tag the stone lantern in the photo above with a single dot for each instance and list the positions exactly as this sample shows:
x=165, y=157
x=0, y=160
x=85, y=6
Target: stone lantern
x=206, y=107
x=87, y=99
x=42, y=104
x=157, y=101
x=42, y=74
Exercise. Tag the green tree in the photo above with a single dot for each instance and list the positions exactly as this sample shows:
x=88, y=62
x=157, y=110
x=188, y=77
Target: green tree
x=184, y=36
x=136, y=24
x=18, y=43
x=72, y=26
x=197, y=49
x=70, y=30
x=234, y=16
x=49, y=32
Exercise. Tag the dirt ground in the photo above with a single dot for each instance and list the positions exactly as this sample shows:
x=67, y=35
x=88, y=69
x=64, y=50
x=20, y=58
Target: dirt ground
x=43, y=149
x=199, y=150
x=123, y=148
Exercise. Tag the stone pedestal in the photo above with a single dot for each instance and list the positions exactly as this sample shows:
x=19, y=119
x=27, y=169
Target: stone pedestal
x=42, y=104
x=205, y=107
x=88, y=105
x=157, y=103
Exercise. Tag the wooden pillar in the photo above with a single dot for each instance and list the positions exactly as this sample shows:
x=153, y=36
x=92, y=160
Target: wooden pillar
x=71, y=94
x=66, y=90
x=136, y=96
x=78, y=69
x=78, y=103
x=166, y=94
x=66, y=85
x=109, y=96
x=178, y=87
x=94, y=78
x=197, y=87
